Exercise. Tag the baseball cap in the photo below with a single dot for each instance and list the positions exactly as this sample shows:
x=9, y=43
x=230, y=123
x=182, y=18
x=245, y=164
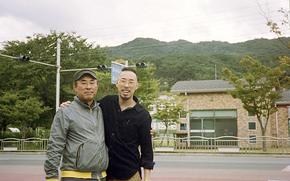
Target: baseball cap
x=81, y=73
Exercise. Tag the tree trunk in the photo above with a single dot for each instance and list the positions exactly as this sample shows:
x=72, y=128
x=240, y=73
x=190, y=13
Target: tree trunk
x=263, y=130
x=3, y=127
x=165, y=133
x=264, y=141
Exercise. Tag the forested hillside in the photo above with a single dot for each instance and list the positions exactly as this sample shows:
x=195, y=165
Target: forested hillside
x=183, y=60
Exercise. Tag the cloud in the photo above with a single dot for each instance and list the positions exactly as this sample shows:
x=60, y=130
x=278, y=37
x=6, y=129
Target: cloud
x=13, y=28
x=113, y=22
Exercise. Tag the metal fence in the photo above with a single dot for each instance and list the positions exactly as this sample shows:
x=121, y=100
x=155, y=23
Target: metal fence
x=172, y=144
x=222, y=144
x=29, y=144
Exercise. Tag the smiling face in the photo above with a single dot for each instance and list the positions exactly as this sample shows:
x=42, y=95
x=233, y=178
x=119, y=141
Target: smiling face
x=86, y=88
x=127, y=84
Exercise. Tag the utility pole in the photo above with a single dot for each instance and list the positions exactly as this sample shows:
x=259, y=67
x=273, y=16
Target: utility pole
x=215, y=73
x=23, y=58
x=58, y=42
x=289, y=13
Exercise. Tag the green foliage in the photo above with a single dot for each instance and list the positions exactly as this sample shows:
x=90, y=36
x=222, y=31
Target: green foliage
x=168, y=111
x=183, y=60
x=259, y=87
x=17, y=76
x=9, y=134
x=148, y=85
x=105, y=85
x=20, y=109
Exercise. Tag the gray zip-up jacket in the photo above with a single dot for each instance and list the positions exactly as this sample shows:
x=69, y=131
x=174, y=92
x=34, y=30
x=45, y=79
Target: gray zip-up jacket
x=77, y=135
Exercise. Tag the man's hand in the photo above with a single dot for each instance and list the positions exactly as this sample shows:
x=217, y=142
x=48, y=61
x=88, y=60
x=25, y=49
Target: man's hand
x=65, y=104
x=152, y=132
x=147, y=174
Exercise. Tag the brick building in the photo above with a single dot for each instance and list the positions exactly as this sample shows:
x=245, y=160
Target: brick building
x=213, y=112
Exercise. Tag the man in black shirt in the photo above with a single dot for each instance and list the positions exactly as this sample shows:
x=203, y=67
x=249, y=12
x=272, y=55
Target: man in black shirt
x=127, y=127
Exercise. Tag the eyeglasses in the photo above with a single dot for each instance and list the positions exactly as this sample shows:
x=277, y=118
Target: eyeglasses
x=127, y=82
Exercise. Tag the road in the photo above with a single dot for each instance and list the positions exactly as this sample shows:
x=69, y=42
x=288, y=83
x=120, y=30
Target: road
x=221, y=168
x=170, y=167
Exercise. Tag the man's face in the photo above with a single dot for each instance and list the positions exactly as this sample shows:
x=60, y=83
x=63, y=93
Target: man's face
x=127, y=84
x=86, y=88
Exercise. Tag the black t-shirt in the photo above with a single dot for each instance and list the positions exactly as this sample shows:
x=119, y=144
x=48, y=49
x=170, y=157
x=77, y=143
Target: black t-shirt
x=125, y=131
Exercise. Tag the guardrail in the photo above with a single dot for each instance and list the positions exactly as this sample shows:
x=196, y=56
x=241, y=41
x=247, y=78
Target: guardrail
x=29, y=144
x=222, y=144
x=186, y=144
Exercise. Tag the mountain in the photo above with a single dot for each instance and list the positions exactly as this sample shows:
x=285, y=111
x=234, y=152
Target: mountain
x=184, y=60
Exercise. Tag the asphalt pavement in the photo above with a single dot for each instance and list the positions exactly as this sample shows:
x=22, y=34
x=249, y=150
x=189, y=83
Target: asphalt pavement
x=170, y=167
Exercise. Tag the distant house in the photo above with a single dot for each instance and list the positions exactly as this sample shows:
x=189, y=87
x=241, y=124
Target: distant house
x=213, y=112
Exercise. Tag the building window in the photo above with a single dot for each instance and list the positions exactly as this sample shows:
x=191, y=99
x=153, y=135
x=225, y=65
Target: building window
x=183, y=126
x=252, y=139
x=252, y=125
x=213, y=123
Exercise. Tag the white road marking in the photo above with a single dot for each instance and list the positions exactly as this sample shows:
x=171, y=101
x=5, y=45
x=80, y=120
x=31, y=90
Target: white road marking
x=286, y=169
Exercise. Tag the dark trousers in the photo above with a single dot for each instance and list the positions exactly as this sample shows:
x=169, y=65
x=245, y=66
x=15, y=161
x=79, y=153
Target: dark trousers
x=82, y=179
x=135, y=177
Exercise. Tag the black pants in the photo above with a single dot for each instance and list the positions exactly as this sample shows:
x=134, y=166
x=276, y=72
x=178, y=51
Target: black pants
x=82, y=179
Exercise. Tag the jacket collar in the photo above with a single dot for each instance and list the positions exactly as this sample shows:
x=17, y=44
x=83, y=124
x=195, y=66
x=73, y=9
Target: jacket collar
x=94, y=105
x=137, y=107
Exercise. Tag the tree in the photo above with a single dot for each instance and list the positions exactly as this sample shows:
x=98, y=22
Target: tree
x=105, y=85
x=148, y=88
x=259, y=87
x=7, y=101
x=146, y=92
x=75, y=53
x=168, y=112
x=21, y=109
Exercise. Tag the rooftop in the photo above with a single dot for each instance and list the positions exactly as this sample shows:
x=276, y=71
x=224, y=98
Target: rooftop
x=285, y=99
x=213, y=86
x=199, y=86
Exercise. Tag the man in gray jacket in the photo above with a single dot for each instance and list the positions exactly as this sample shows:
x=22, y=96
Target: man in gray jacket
x=77, y=136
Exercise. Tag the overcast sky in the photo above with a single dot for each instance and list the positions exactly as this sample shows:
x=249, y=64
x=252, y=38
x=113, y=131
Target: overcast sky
x=113, y=22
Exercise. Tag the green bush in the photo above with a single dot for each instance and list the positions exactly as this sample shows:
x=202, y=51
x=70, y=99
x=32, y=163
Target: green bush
x=9, y=134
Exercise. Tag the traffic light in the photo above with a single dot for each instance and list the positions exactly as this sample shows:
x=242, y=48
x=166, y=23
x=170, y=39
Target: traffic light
x=23, y=58
x=102, y=67
x=141, y=65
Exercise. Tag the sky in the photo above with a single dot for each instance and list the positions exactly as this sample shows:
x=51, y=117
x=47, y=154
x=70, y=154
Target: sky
x=114, y=22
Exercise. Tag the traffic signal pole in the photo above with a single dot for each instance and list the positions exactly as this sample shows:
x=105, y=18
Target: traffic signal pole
x=57, y=86
x=58, y=68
